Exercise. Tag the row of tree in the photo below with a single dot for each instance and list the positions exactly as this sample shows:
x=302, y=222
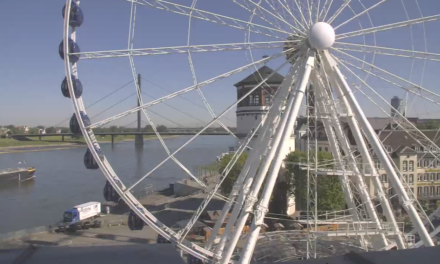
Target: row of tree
x=112, y=129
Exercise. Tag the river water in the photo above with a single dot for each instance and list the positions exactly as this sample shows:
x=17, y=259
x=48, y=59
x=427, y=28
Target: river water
x=62, y=181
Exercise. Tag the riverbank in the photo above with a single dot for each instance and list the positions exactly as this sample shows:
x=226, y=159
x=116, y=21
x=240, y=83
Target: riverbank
x=57, y=143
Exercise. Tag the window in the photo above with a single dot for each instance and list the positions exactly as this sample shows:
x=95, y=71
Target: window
x=419, y=177
x=438, y=177
x=425, y=177
x=425, y=191
x=438, y=190
x=405, y=165
x=419, y=164
x=267, y=98
x=417, y=148
x=425, y=163
x=432, y=191
x=251, y=99
x=320, y=148
x=377, y=164
x=419, y=191
x=326, y=149
x=411, y=178
x=255, y=117
x=405, y=177
x=384, y=178
x=411, y=165
x=390, y=191
x=256, y=99
x=431, y=176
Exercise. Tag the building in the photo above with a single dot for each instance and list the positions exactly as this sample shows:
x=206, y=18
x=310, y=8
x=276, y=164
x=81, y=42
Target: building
x=22, y=129
x=396, y=105
x=251, y=110
x=42, y=131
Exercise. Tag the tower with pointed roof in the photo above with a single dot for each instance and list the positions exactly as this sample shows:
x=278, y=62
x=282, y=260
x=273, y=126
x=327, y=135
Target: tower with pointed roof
x=251, y=110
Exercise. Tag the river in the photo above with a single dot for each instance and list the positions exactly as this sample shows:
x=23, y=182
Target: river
x=62, y=181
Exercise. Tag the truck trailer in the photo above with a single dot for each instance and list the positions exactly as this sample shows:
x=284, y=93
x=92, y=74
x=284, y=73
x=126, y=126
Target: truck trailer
x=83, y=216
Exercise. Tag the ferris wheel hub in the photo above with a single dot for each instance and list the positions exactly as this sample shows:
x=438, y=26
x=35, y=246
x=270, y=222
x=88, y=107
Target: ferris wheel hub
x=321, y=36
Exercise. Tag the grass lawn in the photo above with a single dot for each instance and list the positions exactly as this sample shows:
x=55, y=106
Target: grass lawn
x=54, y=140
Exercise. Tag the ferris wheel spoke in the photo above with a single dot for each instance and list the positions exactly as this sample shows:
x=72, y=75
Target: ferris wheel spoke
x=339, y=11
x=263, y=11
x=186, y=90
x=325, y=8
x=388, y=27
x=182, y=49
x=287, y=12
x=387, y=51
x=412, y=85
x=209, y=124
x=417, y=93
x=361, y=13
x=211, y=17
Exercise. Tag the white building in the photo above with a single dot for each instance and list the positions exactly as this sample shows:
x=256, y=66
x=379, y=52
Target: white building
x=42, y=131
x=251, y=110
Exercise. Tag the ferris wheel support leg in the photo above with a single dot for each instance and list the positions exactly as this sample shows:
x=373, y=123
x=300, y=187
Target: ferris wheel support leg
x=261, y=208
x=263, y=141
x=378, y=241
x=344, y=180
x=379, y=151
x=243, y=183
x=367, y=160
x=250, y=199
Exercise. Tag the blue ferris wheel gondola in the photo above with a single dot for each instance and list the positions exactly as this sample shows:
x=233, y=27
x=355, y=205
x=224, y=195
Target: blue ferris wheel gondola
x=73, y=48
x=76, y=17
x=89, y=161
x=77, y=87
x=74, y=125
x=135, y=222
x=110, y=194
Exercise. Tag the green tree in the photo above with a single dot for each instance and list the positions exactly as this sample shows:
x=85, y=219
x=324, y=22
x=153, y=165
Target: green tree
x=330, y=195
x=228, y=183
x=161, y=128
x=148, y=128
x=51, y=130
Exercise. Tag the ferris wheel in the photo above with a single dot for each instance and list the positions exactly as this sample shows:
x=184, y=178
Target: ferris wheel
x=342, y=61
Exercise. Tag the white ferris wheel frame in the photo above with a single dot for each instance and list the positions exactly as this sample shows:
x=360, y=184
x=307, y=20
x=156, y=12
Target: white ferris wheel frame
x=243, y=196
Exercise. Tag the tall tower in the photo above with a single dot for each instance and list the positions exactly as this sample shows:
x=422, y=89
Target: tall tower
x=251, y=109
x=254, y=106
x=396, y=106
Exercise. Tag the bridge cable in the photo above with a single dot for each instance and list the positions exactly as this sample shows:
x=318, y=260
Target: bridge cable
x=192, y=102
x=198, y=119
x=99, y=100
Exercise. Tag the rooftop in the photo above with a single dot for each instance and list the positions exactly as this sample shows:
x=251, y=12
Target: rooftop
x=260, y=75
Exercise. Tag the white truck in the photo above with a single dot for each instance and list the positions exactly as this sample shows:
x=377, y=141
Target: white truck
x=83, y=216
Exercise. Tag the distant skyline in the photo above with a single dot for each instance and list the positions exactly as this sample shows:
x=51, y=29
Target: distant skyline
x=32, y=71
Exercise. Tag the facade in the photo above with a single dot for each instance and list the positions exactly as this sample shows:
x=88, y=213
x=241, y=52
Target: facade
x=251, y=110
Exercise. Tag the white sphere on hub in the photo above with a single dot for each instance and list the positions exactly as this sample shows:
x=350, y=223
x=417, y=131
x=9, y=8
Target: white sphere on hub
x=321, y=36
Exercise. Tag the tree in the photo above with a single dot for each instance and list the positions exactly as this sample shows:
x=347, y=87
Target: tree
x=229, y=181
x=161, y=128
x=148, y=128
x=330, y=195
x=113, y=129
x=51, y=130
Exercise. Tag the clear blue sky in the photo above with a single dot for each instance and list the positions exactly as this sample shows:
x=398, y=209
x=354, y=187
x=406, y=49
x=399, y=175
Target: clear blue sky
x=32, y=71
